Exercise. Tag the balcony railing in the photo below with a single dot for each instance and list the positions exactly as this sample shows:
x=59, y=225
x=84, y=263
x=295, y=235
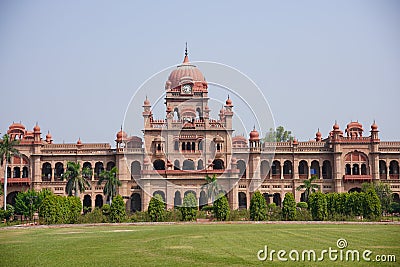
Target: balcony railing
x=17, y=180
x=357, y=177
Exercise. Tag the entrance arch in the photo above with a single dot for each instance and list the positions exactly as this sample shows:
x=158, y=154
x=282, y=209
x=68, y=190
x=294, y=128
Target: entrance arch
x=87, y=203
x=242, y=200
x=136, y=202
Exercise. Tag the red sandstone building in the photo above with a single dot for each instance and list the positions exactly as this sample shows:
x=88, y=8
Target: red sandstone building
x=180, y=149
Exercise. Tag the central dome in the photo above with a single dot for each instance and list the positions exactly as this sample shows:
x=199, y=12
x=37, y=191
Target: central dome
x=185, y=72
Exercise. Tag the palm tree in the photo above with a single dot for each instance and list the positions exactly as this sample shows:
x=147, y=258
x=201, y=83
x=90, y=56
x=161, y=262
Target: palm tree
x=308, y=186
x=7, y=149
x=112, y=182
x=76, y=180
x=212, y=187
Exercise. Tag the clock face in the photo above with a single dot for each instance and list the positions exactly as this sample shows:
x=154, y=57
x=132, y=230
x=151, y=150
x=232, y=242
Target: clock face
x=187, y=89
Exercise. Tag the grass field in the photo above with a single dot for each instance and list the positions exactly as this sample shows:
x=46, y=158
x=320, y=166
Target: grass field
x=190, y=244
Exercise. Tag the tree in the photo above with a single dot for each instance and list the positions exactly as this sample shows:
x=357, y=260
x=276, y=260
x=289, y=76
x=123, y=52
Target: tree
x=372, y=205
x=76, y=180
x=112, y=182
x=258, y=207
x=318, y=206
x=59, y=209
x=212, y=187
x=384, y=193
x=189, y=207
x=308, y=186
x=221, y=208
x=7, y=149
x=156, y=208
x=117, y=211
x=289, y=207
x=278, y=135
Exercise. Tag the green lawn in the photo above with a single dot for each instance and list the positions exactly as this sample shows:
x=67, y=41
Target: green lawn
x=190, y=244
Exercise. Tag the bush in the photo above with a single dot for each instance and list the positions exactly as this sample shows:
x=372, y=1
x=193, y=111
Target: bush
x=302, y=205
x=289, y=207
x=303, y=214
x=239, y=215
x=117, y=210
x=173, y=215
x=7, y=214
x=221, y=208
x=318, y=206
x=106, y=209
x=58, y=209
x=274, y=213
x=156, y=209
x=140, y=216
x=258, y=210
x=395, y=207
x=95, y=216
x=189, y=207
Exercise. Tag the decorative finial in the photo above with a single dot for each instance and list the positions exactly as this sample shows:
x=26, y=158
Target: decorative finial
x=186, y=52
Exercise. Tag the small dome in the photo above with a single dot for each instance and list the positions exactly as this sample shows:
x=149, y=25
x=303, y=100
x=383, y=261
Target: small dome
x=295, y=142
x=36, y=129
x=48, y=136
x=239, y=138
x=18, y=126
x=374, y=126
x=228, y=102
x=121, y=135
x=169, y=109
x=336, y=126
x=79, y=142
x=146, y=102
x=318, y=136
x=254, y=135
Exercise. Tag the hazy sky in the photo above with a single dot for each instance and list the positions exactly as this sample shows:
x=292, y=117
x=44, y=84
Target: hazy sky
x=73, y=66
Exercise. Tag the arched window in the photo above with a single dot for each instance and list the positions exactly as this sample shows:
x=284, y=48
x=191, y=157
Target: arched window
x=25, y=172
x=303, y=169
x=87, y=165
x=394, y=169
x=188, y=165
x=276, y=169
x=59, y=171
x=201, y=145
x=287, y=169
x=277, y=199
x=315, y=168
x=198, y=114
x=110, y=165
x=9, y=172
x=159, y=164
x=363, y=169
x=177, y=165
x=176, y=146
x=241, y=165
x=218, y=164
x=200, y=164
x=98, y=168
x=264, y=169
x=356, y=169
x=136, y=202
x=266, y=197
x=177, y=199
x=17, y=172
x=326, y=169
x=136, y=169
x=348, y=169
x=98, y=203
x=188, y=147
x=46, y=171
x=193, y=146
x=87, y=203
x=203, y=201
x=190, y=191
x=242, y=200
x=183, y=146
x=382, y=169
x=176, y=114
x=161, y=193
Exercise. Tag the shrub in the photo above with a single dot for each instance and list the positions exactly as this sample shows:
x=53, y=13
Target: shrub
x=258, y=210
x=95, y=216
x=274, y=213
x=57, y=209
x=239, y=215
x=303, y=214
x=302, y=205
x=140, y=216
x=318, y=206
x=173, y=215
x=7, y=214
x=189, y=207
x=106, y=209
x=221, y=208
x=156, y=209
x=289, y=207
x=117, y=210
x=395, y=207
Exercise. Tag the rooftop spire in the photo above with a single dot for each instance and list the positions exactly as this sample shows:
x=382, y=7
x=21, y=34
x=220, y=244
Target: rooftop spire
x=186, y=59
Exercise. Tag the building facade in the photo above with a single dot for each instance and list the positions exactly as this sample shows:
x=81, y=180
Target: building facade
x=178, y=150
